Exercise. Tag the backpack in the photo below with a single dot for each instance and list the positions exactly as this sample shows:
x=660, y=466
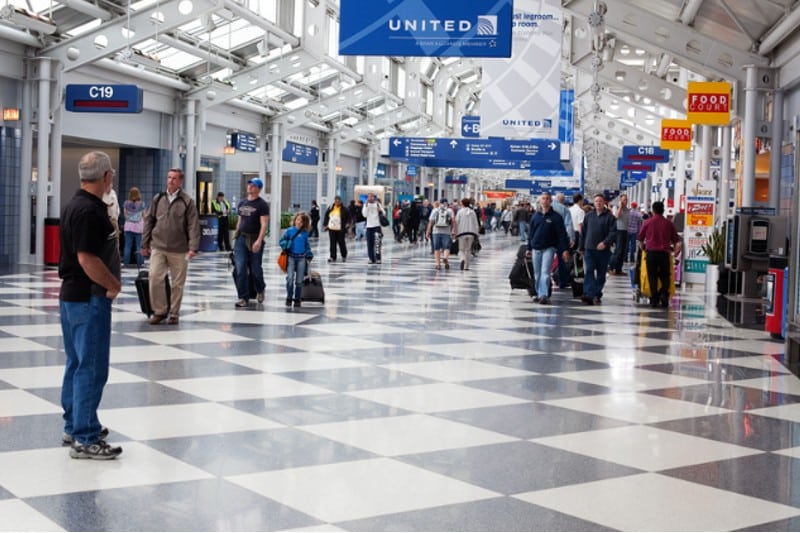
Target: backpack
x=443, y=218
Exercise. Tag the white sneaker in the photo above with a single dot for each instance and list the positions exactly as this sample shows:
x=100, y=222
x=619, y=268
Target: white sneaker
x=260, y=297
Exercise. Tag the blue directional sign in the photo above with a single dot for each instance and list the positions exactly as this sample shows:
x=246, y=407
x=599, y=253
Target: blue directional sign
x=478, y=28
x=471, y=126
x=380, y=170
x=411, y=170
x=652, y=154
x=670, y=183
x=456, y=180
x=244, y=142
x=300, y=154
x=494, y=153
x=104, y=98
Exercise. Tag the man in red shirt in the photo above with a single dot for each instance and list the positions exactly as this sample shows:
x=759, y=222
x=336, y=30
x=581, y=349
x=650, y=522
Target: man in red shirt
x=659, y=238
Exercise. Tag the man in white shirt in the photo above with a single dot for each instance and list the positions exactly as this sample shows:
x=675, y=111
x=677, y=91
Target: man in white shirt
x=577, y=213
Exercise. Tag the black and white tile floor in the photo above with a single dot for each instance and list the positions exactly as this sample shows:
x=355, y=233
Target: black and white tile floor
x=414, y=399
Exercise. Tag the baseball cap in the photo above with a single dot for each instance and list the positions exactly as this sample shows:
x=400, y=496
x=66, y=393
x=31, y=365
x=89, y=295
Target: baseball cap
x=634, y=205
x=257, y=182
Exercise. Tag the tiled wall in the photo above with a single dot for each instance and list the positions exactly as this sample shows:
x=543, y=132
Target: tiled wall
x=10, y=168
x=144, y=168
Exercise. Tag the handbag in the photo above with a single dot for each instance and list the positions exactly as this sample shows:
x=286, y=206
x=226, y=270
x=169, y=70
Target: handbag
x=383, y=220
x=453, y=246
x=283, y=260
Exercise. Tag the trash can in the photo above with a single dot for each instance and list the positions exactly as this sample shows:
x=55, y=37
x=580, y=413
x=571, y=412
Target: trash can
x=52, y=245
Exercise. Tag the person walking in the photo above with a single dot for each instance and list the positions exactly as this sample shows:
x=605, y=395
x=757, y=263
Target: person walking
x=372, y=211
x=314, y=216
x=577, y=215
x=440, y=230
x=248, y=248
x=635, y=221
x=467, y=226
x=222, y=208
x=559, y=206
x=621, y=247
x=171, y=238
x=335, y=224
x=659, y=239
x=599, y=231
x=134, y=225
x=295, y=242
x=547, y=236
x=89, y=267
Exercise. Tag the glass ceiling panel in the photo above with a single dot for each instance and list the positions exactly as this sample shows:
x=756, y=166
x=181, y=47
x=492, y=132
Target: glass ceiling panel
x=84, y=28
x=39, y=7
x=176, y=59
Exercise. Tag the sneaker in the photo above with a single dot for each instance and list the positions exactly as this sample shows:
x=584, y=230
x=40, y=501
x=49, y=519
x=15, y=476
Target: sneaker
x=157, y=319
x=67, y=440
x=99, y=450
x=288, y=302
x=344, y=260
x=298, y=303
x=597, y=301
x=260, y=297
x=241, y=303
x=331, y=260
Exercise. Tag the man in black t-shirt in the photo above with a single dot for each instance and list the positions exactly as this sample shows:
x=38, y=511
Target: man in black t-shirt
x=248, y=248
x=89, y=265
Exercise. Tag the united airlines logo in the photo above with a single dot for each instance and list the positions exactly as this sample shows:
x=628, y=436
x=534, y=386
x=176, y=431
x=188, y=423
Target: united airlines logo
x=487, y=25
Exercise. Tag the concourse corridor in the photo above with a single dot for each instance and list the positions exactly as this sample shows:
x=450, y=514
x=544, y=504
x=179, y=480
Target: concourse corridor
x=414, y=399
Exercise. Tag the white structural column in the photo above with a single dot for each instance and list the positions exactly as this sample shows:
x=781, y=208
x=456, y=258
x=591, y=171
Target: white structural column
x=749, y=136
x=275, y=182
x=725, y=174
x=332, y=157
x=43, y=153
x=372, y=164
x=25, y=192
x=776, y=150
x=704, y=169
x=191, y=148
x=54, y=207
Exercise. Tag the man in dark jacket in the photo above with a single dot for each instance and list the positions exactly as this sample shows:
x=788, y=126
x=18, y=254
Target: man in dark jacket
x=548, y=235
x=598, y=232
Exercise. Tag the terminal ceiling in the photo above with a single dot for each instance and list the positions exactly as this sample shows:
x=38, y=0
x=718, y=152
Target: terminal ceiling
x=625, y=65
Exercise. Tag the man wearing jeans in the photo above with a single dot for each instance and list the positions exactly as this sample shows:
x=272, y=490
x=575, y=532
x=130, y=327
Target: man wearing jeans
x=89, y=265
x=599, y=230
x=548, y=235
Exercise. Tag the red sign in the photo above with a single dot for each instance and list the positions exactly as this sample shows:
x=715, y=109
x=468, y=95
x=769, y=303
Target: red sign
x=676, y=134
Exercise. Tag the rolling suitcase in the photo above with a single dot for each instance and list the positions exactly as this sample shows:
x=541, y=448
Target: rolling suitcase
x=142, y=283
x=577, y=276
x=312, y=288
x=521, y=275
x=251, y=280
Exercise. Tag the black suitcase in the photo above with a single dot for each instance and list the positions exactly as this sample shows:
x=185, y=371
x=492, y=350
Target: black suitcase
x=577, y=276
x=312, y=288
x=142, y=283
x=521, y=275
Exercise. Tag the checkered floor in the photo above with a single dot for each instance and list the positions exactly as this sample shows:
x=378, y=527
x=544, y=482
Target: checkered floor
x=414, y=399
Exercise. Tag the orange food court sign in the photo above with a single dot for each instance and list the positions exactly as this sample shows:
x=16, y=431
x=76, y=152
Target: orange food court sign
x=676, y=134
x=709, y=103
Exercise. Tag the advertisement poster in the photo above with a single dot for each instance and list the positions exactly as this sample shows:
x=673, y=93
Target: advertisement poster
x=701, y=199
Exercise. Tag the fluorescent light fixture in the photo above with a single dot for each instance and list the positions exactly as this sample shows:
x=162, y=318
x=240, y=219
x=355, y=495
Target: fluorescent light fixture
x=20, y=17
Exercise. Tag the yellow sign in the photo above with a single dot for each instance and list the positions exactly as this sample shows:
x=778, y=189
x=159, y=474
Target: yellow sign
x=709, y=103
x=10, y=113
x=676, y=134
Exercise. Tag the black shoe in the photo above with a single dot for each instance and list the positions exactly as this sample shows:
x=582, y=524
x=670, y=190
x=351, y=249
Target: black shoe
x=344, y=259
x=99, y=450
x=544, y=301
x=67, y=440
x=298, y=303
x=462, y=265
x=288, y=302
x=331, y=260
x=587, y=300
x=597, y=301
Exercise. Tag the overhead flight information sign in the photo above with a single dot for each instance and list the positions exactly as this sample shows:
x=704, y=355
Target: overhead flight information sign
x=104, y=98
x=478, y=28
x=300, y=154
x=477, y=153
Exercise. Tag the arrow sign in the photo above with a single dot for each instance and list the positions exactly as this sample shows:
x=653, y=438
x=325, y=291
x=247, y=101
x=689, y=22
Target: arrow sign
x=471, y=126
x=453, y=144
x=552, y=146
x=477, y=153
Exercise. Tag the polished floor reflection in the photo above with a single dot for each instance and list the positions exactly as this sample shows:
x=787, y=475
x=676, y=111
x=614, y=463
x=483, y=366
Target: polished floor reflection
x=414, y=399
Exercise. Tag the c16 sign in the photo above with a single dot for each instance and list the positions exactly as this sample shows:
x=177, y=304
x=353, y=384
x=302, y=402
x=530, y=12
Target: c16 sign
x=478, y=28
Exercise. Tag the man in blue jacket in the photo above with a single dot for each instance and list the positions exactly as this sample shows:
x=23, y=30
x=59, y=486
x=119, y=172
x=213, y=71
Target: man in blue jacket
x=598, y=231
x=547, y=235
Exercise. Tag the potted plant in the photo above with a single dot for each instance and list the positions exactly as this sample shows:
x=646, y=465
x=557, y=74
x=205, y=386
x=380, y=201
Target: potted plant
x=713, y=249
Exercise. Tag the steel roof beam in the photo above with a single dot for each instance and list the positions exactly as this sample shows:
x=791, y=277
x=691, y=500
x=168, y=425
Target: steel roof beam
x=108, y=39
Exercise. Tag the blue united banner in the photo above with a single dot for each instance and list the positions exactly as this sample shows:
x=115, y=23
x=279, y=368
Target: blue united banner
x=478, y=28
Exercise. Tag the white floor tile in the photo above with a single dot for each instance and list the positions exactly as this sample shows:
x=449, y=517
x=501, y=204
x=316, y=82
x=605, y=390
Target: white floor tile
x=749, y=345
x=331, y=343
x=52, y=376
x=636, y=407
x=16, y=515
x=783, y=383
x=356, y=329
x=617, y=358
x=243, y=387
x=34, y=330
x=646, y=448
x=759, y=363
x=292, y=362
x=489, y=335
x=359, y=489
x=623, y=378
x=15, y=344
x=15, y=402
x=165, y=421
x=457, y=370
x=650, y=502
x=403, y=435
x=23, y=472
x=784, y=412
x=472, y=350
x=436, y=397
x=254, y=315
x=138, y=354
x=186, y=336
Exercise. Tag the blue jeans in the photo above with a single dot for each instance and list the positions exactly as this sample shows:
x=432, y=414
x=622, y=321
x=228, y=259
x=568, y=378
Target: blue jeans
x=245, y=260
x=133, y=243
x=595, y=266
x=374, y=238
x=361, y=228
x=86, y=327
x=441, y=241
x=632, y=247
x=296, y=268
x=620, y=251
x=542, y=262
x=523, y=231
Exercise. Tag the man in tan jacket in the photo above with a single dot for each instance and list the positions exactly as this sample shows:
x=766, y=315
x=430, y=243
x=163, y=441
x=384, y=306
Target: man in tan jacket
x=171, y=238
